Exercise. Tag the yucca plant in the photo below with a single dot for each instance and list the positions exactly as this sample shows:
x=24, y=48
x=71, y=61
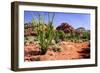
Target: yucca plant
x=45, y=36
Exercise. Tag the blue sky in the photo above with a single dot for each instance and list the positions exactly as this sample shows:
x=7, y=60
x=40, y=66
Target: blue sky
x=74, y=19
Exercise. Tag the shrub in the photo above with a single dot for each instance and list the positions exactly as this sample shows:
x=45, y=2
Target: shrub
x=45, y=37
x=59, y=36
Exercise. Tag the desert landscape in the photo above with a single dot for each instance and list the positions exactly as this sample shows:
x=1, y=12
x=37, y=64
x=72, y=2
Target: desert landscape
x=43, y=41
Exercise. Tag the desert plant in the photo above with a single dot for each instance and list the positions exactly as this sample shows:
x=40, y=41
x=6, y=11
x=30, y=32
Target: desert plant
x=59, y=36
x=86, y=36
x=57, y=39
x=34, y=22
x=45, y=37
x=57, y=48
x=37, y=59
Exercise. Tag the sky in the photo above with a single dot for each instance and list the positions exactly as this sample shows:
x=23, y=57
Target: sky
x=74, y=19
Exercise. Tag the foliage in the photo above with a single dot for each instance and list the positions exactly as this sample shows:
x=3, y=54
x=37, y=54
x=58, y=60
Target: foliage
x=74, y=37
x=57, y=48
x=45, y=36
x=37, y=59
x=59, y=36
x=86, y=36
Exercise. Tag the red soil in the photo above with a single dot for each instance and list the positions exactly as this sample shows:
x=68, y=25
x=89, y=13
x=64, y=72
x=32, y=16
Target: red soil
x=69, y=51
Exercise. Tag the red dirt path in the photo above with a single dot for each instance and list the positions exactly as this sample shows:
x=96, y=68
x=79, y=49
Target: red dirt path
x=69, y=51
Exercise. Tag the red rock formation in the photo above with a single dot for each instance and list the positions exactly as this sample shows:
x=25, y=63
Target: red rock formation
x=66, y=28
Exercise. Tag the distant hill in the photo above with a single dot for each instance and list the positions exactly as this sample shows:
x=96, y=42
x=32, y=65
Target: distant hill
x=65, y=27
x=80, y=29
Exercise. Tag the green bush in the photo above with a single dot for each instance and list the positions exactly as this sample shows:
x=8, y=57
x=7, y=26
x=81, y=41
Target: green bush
x=86, y=36
x=59, y=36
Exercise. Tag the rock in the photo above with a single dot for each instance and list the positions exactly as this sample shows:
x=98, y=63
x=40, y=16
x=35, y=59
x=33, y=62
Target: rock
x=65, y=27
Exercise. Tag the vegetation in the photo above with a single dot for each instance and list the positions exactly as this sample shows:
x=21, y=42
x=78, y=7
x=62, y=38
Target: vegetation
x=59, y=36
x=45, y=33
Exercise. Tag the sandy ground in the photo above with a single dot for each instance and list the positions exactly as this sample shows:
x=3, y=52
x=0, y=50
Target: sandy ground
x=69, y=51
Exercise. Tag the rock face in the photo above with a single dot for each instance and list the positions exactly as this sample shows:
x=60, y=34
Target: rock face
x=66, y=28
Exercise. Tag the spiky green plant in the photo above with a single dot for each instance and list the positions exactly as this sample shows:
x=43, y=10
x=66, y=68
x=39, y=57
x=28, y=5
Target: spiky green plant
x=45, y=36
